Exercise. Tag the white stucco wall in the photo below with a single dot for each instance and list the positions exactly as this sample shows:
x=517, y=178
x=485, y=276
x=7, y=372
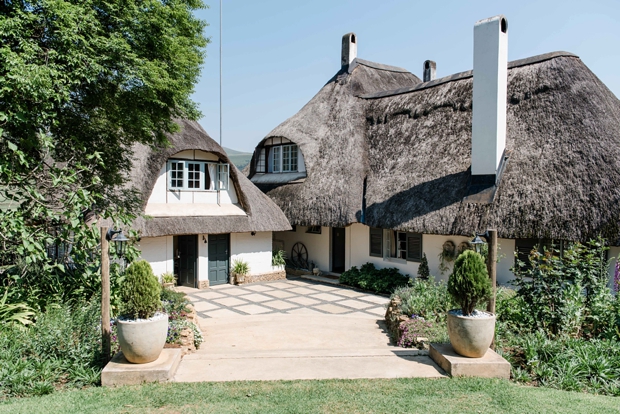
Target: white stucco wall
x=161, y=195
x=358, y=240
x=158, y=252
x=255, y=250
x=318, y=245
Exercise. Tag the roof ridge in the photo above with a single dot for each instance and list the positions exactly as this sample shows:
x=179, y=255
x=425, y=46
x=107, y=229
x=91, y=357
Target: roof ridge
x=467, y=74
x=375, y=65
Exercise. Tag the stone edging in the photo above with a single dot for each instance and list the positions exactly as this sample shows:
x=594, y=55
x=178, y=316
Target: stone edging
x=264, y=277
x=394, y=318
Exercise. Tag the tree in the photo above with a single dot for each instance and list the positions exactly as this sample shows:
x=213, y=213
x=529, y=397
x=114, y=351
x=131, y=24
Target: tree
x=81, y=82
x=423, y=270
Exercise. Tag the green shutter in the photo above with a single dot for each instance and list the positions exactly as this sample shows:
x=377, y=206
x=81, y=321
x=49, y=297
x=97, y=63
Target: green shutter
x=414, y=246
x=376, y=242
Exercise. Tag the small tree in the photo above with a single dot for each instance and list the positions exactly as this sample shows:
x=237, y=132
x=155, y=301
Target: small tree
x=469, y=282
x=423, y=270
x=141, y=291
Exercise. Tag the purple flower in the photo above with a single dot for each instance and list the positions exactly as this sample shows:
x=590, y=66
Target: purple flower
x=617, y=276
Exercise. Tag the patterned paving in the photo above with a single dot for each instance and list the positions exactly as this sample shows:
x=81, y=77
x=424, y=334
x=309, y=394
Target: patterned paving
x=294, y=296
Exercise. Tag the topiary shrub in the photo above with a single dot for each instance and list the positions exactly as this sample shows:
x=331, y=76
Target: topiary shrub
x=141, y=291
x=469, y=282
x=423, y=271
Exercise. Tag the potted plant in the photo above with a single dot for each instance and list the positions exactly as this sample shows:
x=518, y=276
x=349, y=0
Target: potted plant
x=471, y=331
x=240, y=270
x=168, y=280
x=278, y=259
x=142, y=329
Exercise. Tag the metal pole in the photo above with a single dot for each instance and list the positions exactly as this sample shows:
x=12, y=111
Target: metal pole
x=492, y=268
x=105, y=296
x=220, y=72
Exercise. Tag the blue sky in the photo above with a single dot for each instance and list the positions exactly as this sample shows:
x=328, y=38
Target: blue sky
x=278, y=54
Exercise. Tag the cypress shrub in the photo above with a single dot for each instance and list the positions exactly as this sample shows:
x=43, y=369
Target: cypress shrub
x=423, y=270
x=141, y=291
x=469, y=282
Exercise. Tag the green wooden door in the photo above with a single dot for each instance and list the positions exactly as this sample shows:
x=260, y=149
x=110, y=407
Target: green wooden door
x=218, y=258
x=186, y=253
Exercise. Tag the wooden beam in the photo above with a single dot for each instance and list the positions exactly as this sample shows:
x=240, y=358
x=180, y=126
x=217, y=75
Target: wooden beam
x=492, y=268
x=105, y=296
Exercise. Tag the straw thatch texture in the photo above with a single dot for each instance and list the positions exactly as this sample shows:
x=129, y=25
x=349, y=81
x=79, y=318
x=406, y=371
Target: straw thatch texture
x=262, y=213
x=562, y=178
x=412, y=144
x=330, y=132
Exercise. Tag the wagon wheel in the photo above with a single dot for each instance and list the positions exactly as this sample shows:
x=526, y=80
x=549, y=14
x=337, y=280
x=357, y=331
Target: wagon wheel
x=299, y=255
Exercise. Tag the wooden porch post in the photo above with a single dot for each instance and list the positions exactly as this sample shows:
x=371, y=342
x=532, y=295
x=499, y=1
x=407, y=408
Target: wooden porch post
x=105, y=296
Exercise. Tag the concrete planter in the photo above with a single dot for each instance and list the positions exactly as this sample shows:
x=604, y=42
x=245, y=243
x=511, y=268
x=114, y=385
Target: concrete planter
x=471, y=336
x=142, y=341
x=168, y=285
x=239, y=279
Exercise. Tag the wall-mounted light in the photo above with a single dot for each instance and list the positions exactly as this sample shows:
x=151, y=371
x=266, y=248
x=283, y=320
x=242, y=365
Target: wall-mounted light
x=253, y=233
x=204, y=239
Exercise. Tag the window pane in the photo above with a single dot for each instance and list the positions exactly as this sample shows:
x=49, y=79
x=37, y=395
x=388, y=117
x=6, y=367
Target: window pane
x=260, y=163
x=376, y=242
x=414, y=246
x=212, y=171
x=293, y=158
x=223, y=177
x=193, y=175
x=276, y=158
x=176, y=174
x=286, y=158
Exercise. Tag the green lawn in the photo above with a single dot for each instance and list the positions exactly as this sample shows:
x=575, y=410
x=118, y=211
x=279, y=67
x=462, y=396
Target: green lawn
x=331, y=396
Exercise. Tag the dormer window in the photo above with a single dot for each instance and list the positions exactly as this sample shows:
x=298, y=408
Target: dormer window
x=278, y=155
x=197, y=176
x=283, y=158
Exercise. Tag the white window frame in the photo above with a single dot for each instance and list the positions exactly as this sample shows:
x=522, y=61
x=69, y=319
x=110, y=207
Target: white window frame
x=276, y=158
x=401, y=250
x=221, y=182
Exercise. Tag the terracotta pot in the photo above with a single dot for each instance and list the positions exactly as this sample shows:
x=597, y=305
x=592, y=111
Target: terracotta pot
x=469, y=336
x=142, y=341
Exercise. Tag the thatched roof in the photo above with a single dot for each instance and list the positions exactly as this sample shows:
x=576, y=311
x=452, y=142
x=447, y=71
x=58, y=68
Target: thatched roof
x=412, y=144
x=330, y=132
x=261, y=213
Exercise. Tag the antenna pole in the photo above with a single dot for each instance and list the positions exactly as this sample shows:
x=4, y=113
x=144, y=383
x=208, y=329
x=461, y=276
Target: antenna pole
x=220, y=72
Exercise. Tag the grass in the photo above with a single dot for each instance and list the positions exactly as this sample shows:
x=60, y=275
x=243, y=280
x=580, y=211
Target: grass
x=471, y=395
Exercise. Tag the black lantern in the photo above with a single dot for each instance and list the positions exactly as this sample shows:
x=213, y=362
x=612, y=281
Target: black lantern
x=120, y=241
x=478, y=242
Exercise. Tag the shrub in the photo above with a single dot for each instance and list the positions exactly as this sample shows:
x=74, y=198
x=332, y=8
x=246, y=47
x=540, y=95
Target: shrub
x=61, y=350
x=469, y=282
x=141, y=291
x=240, y=267
x=565, y=363
x=174, y=304
x=11, y=313
x=425, y=298
x=278, y=258
x=377, y=280
x=423, y=270
x=568, y=294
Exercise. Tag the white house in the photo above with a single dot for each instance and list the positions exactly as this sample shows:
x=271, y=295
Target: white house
x=201, y=213
x=391, y=167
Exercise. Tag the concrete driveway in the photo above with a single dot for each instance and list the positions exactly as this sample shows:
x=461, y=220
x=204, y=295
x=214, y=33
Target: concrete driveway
x=295, y=329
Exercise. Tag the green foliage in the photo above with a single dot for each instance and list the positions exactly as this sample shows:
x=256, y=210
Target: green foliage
x=278, y=258
x=566, y=363
x=423, y=270
x=62, y=349
x=168, y=277
x=141, y=291
x=240, y=267
x=377, y=280
x=415, y=328
x=175, y=328
x=566, y=295
x=426, y=299
x=96, y=76
x=11, y=313
x=469, y=282
x=174, y=304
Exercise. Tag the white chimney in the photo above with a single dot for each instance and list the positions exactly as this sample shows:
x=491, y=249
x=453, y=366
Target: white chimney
x=489, y=105
x=349, y=49
x=430, y=70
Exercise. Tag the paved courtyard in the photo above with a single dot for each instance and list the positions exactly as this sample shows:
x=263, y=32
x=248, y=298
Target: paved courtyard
x=291, y=296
